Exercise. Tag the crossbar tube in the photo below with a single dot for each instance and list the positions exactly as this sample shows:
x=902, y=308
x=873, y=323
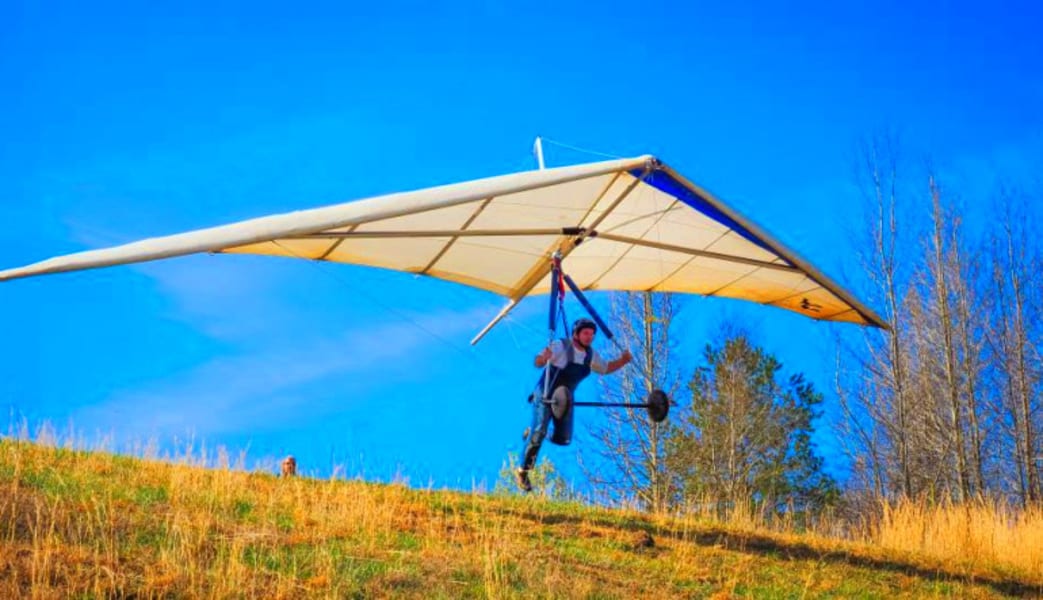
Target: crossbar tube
x=607, y=404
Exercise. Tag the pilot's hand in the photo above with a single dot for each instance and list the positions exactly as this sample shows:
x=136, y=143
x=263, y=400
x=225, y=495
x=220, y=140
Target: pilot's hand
x=626, y=357
x=545, y=355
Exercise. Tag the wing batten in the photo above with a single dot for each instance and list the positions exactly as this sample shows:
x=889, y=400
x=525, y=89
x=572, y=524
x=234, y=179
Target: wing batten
x=452, y=241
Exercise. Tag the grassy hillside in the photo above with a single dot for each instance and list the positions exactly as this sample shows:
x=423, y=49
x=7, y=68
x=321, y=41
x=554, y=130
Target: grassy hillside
x=90, y=525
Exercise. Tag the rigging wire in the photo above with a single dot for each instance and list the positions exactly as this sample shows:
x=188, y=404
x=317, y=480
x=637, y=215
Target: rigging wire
x=578, y=149
x=565, y=324
x=509, y=323
x=358, y=289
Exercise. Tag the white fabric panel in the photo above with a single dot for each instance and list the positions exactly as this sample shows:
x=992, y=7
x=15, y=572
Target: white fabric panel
x=450, y=217
x=642, y=209
x=641, y=269
x=401, y=254
x=703, y=275
x=682, y=226
x=733, y=244
x=561, y=206
x=501, y=262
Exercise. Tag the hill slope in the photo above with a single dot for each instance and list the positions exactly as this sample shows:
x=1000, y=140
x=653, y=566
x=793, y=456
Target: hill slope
x=79, y=524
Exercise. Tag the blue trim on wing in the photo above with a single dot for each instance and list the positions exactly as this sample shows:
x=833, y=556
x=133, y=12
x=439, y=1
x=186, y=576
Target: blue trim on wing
x=663, y=182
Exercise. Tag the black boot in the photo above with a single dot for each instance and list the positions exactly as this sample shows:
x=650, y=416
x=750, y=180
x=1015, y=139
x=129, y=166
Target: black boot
x=529, y=460
x=522, y=477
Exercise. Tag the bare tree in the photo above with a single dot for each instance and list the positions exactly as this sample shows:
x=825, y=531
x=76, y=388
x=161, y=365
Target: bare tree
x=947, y=342
x=1015, y=337
x=879, y=422
x=951, y=402
x=629, y=460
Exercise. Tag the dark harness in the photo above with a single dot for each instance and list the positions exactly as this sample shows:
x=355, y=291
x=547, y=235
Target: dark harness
x=570, y=375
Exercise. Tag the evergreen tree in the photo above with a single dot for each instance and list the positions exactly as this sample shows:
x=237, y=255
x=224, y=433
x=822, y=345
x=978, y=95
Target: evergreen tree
x=746, y=434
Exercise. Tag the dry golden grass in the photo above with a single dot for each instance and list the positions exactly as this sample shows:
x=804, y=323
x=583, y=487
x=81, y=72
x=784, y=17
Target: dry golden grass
x=91, y=524
x=973, y=535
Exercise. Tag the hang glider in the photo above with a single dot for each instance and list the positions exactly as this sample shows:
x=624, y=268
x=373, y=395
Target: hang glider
x=629, y=224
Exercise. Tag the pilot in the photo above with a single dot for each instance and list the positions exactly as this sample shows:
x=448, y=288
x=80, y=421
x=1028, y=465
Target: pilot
x=571, y=361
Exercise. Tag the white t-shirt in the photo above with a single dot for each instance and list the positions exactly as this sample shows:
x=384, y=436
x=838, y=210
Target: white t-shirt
x=560, y=355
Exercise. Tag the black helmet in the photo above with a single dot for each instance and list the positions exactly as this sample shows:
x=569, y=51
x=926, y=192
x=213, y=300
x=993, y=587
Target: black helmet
x=583, y=323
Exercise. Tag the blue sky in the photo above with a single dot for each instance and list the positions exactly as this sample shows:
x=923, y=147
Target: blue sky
x=121, y=122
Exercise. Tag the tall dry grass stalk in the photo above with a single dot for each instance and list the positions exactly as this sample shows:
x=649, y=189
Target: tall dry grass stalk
x=971, y=537
x=971, y=533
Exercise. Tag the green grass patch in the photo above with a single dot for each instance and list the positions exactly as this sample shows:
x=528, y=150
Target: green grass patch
x=242, y=509
x=152, y=538
x=404, y=540
x=147, y=496
x=297, y=561
x=283, y=521
x=56, y=483
x=352, y=567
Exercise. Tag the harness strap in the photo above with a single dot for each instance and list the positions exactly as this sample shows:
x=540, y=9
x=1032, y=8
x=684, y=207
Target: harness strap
x=570, y=353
